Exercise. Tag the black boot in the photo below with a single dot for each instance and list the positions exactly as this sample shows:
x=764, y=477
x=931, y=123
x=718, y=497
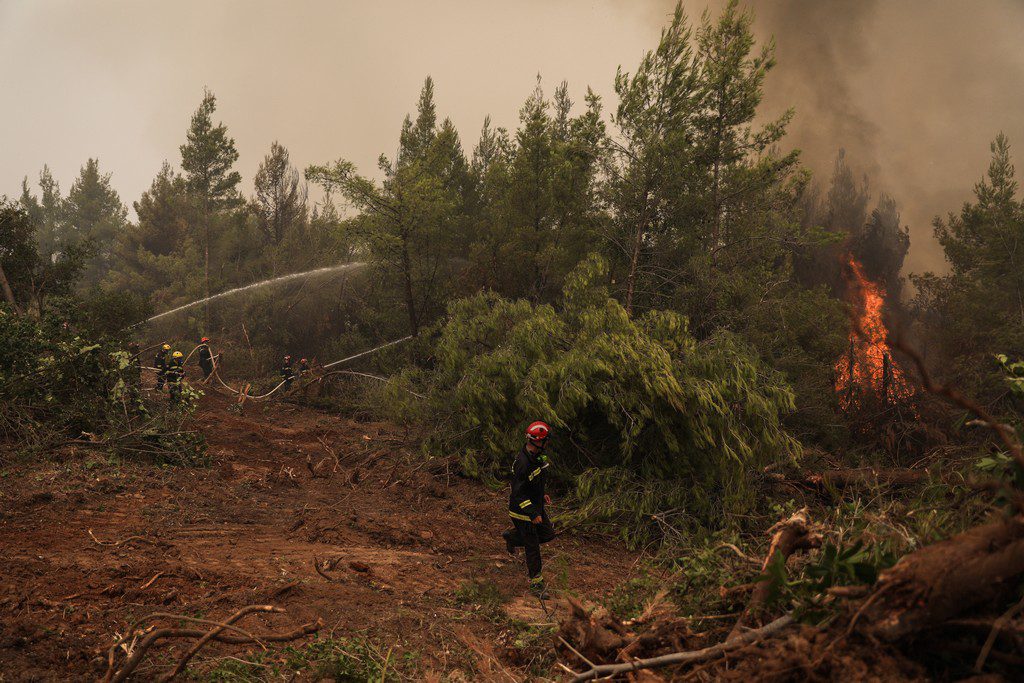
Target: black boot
x=509, y=545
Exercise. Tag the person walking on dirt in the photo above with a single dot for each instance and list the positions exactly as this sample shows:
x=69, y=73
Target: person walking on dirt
x=530, y=524
x=205, y=358
x=160, y=363
x=175, y=374
x=287, y=373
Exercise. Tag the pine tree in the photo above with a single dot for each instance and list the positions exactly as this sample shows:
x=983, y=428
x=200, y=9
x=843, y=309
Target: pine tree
x=882, y=245
x=157, y=256
x=657, y=107
x=846, y=203
x=280, y=200
x=731, y=86
x=207, y=158
x=977, y=310
x=46, y=213
x=538, y=207
x=409, y=222
x=94, y=214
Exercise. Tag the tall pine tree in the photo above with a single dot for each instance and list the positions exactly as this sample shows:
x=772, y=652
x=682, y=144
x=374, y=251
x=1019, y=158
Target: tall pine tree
x=207, y=158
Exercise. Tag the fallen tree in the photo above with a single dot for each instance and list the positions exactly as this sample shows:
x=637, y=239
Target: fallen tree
x=945, y=579
x=851, y=478
x=865, y=477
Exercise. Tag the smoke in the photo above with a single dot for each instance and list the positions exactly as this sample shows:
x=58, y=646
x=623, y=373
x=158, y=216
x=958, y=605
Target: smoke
x=915, y=91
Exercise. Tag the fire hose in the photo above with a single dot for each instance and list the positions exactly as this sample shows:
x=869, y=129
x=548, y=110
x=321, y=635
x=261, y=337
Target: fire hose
x=243, y=393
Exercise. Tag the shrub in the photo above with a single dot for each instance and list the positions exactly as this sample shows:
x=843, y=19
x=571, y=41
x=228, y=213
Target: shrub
x=645, y=417
x=56, y=385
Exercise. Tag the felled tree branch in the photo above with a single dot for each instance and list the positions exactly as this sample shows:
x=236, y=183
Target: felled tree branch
x=949, y=393
x=688, y=657
x=788, y=536
x=116, y=674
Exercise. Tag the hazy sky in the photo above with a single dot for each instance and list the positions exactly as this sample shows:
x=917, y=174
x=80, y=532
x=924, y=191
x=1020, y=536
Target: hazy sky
x=915, y=90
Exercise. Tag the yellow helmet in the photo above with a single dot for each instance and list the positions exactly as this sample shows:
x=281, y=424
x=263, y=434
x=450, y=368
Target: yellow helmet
x=166, y=347
x=177, y=354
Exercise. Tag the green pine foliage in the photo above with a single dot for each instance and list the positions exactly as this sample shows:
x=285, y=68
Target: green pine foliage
x=976, y=311
x=647, y=417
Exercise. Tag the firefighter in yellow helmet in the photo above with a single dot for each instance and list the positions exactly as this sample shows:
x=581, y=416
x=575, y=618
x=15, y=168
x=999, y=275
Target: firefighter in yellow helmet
x=160, y=363
x=175, y=374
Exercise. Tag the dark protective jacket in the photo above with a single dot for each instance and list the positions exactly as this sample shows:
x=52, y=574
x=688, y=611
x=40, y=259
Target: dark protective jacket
x=286, y=372
x=526, y=501
x=175, y=371
x=205, y=355
x=160, y=360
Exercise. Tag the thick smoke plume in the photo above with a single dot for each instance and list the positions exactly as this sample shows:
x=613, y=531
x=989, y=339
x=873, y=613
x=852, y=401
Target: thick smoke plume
x=914, y=91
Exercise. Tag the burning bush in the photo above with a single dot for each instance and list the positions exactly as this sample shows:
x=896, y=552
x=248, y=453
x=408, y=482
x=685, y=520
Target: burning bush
x=866, y=372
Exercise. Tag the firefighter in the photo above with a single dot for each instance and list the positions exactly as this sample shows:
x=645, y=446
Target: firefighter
x=160, y=363
x=205, y=358
x=175, y=374
x=303, y=367
x=287, y=373
x=530, y=524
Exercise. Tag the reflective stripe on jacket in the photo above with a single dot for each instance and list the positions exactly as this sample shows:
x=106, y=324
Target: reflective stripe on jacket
x=526, y=501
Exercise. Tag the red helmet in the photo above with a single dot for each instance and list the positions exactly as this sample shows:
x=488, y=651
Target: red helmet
x=303, y=360
x=538, y=432
x=204, y=340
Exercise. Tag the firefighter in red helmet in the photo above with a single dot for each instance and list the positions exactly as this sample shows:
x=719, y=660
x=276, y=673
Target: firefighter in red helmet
x=206, y=358
x=530, y=524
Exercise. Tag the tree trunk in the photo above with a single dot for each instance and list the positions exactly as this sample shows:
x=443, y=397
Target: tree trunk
x=634, y=261
x=945, y=579
x=410, y=300
x=206, y=256
x=634, y=257
x=716, y=225
x=868, y=476
x=8, y=294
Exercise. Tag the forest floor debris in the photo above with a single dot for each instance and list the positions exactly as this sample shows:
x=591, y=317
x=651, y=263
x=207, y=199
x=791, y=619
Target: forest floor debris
x=122, y=540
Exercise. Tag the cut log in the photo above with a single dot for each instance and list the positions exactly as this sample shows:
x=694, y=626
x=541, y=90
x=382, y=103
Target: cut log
x=943, y=580
x=856, y=478
x=867, y=477
x=788, y=536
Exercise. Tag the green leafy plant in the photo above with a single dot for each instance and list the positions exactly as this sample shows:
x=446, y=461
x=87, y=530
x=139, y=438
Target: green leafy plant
x=642, y=410
x=841, y=565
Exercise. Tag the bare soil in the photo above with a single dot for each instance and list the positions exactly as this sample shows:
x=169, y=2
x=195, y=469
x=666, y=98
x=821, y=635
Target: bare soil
x=88, y=545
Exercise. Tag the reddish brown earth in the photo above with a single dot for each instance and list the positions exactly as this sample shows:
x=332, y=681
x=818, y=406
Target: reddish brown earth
x=206, y=541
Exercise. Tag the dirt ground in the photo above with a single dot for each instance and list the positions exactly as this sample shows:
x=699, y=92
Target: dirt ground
x=88, y=545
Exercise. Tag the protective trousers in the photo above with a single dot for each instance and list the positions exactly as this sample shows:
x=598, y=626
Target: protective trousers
x=530, y=536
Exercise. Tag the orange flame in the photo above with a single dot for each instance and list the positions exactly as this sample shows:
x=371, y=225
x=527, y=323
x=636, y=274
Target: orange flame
x=867, y=369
